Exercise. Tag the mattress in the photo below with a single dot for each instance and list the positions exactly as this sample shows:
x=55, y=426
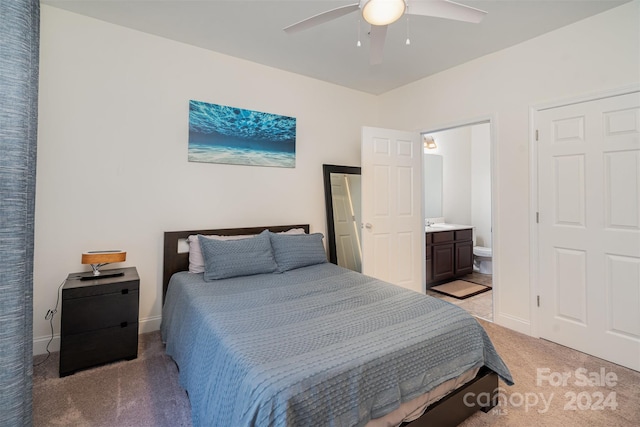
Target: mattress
x=319, y=345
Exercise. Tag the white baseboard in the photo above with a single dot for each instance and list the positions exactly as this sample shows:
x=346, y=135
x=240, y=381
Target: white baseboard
x=40, y=344
x=145, y=325
x=149, y=324
x=515, y=323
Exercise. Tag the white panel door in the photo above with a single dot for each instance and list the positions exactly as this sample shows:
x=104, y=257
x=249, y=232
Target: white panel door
x=589, y=230
x=393, y=224
x=348, y=248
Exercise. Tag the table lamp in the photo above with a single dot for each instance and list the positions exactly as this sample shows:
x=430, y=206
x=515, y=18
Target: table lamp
x=98, y=259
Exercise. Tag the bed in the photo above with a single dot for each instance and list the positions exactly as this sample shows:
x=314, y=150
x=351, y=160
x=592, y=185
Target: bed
x=318, y=344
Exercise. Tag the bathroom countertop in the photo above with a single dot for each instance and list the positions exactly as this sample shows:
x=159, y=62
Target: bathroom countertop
x=434, y=228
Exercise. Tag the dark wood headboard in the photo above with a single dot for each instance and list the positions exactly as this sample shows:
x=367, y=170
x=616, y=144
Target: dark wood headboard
x=175, y=261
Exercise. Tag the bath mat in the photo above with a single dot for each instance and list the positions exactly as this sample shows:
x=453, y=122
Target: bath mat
x=478, y=278
x=460, y=289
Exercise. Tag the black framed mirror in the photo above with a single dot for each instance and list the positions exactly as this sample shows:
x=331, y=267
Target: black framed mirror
x=342, y=202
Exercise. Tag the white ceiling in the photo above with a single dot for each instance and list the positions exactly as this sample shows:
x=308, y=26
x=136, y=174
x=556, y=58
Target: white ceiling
x=252, y=30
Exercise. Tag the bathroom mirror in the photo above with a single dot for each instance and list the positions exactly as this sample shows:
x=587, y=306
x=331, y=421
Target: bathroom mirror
x=342, y=186
x=432, y=186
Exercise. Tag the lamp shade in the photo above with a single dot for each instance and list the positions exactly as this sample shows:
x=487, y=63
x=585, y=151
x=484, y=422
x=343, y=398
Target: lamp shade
x=99, y=259
x=103, y=257
x=383, y=12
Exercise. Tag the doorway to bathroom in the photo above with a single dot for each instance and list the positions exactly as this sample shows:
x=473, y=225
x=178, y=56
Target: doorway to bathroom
x=457, y=191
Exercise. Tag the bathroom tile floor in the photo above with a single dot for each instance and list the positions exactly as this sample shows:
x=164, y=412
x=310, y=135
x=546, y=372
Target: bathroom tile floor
x=480, y=305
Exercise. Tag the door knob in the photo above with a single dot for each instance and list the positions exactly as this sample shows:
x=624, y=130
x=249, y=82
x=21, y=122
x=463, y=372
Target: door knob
x=368, y=225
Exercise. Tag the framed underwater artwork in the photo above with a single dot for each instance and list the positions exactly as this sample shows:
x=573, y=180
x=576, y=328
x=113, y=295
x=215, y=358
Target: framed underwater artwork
x=222, y=134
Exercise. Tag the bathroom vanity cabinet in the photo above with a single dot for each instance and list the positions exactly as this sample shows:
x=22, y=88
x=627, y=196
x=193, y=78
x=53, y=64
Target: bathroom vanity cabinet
x=449, y=254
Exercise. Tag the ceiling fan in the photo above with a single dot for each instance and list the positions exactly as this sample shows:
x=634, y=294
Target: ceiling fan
x=381, y=13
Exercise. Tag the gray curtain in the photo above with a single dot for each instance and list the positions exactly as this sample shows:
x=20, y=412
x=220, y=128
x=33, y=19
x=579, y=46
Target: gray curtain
x=19, y=52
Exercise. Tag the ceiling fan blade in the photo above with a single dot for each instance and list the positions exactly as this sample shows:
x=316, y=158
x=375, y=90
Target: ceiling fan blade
x=378, y=35
x=321, y=18
x=445, y=9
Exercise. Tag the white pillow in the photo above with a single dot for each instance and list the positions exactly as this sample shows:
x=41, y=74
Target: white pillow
x=293, y=231
x=196, y=260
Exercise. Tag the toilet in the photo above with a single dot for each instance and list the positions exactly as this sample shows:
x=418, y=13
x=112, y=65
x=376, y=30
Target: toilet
x=482, y=259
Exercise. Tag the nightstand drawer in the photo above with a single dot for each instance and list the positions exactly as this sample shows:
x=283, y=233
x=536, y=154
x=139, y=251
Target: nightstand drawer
x=99, y=312
x=93, y=348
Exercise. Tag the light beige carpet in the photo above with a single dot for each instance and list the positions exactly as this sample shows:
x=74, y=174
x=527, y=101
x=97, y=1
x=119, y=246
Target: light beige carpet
x=460, y=289
x=145, y=392
x=550, y=389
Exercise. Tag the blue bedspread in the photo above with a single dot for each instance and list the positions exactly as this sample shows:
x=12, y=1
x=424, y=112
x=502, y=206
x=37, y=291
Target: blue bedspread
x=320, y=345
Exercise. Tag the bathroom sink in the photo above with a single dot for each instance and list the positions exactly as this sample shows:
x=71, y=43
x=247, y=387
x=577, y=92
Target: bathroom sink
x=442, y=226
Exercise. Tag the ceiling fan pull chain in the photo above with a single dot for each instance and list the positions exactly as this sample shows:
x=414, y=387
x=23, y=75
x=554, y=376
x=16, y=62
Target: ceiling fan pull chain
x=408, y=41
x=359, y=43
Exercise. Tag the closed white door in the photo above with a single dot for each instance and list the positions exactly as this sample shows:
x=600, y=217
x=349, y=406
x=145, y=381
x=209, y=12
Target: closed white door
x=589, y=227
x=393, y=223
x=348, y=249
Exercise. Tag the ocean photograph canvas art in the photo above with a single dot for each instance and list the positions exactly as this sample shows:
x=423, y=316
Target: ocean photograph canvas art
x=222, y=134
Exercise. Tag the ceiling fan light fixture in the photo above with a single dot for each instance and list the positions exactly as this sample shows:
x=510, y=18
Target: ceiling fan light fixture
x=383, y=12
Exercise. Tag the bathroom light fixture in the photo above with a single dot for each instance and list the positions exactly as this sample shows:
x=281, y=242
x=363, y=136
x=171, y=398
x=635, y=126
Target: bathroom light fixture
x=383, y=12
x=98, y=259
x=429, y=142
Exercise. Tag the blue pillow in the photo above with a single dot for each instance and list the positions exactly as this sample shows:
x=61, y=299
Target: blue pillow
x=231, y=258
x=297, y=250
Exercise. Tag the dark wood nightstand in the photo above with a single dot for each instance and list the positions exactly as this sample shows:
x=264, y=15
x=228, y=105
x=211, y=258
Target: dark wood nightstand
x=99, y=320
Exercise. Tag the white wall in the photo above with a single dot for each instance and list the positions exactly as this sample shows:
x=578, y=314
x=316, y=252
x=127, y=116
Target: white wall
x=432, y=186
x=454, y=146
x=466, y=152
x=112, y=150
x=596, y=54
x=481, y=183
